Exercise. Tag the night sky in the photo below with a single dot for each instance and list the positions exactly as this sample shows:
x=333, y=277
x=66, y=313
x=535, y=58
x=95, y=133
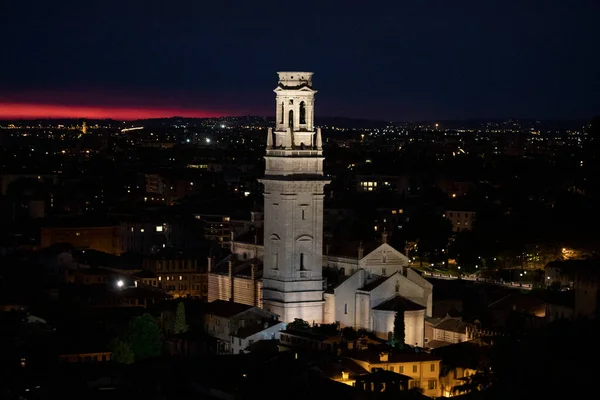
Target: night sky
x=397, y=60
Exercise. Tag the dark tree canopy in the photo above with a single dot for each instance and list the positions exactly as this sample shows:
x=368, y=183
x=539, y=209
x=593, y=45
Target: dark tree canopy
x=121, y=352
x=298, y=325
x=399, y=334
x=146, y=337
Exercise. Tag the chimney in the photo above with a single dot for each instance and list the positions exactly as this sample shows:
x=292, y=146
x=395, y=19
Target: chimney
x=232, y=241
x=210, y=264
x=230, y=267
x=384, y=237
x=384, y=357
x=361, y=251
x=252, y=271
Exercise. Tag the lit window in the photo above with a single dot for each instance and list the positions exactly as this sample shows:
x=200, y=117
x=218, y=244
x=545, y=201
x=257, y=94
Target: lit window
x=78, y=234
x=142, y=230
x=159, y=228
x=180, y=277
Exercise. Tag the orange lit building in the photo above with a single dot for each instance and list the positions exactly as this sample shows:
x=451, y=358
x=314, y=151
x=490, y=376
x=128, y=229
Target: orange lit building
x=102, y=238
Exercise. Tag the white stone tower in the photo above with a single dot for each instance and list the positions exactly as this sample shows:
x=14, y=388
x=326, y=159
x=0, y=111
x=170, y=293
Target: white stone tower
x=293, y=191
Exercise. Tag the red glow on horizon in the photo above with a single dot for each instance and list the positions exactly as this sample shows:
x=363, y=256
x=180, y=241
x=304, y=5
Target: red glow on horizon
x=43, y=111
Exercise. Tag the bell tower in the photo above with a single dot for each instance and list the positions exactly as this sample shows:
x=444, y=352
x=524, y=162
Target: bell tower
x=293, y=194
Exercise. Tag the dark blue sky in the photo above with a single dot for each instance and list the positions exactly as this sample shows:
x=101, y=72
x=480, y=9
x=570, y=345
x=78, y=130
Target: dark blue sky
x=419, y=59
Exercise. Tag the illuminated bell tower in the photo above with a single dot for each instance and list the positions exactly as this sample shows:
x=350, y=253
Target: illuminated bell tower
x=293, y=192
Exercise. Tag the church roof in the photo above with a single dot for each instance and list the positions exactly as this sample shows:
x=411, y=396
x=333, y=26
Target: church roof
x=374, y=283
x=399, y=301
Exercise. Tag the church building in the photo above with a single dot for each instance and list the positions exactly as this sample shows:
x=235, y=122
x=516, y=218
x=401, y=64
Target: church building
x=280, y=266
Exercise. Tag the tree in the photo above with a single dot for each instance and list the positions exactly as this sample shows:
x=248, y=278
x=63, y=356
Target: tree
x=121, y=352
x=298, y=325
x=180, y=321
x=145, y=338
x=399, y=335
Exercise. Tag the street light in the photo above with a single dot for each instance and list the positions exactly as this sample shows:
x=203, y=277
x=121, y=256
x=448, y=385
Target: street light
x=120, y=283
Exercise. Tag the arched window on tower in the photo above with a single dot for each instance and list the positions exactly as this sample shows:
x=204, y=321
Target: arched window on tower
x=291, y=120
x=302, y=113
x=282, y=112
x=301, y=261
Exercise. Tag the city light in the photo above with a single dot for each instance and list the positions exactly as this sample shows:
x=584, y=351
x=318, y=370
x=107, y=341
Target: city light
x=120, y=283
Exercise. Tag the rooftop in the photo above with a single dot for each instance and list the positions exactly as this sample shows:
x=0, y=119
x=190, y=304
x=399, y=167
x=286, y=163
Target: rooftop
x=452, y=325
x=373, y=353
x=252, y=328
x=399, y=302
x=374, y=283
x=227, y=309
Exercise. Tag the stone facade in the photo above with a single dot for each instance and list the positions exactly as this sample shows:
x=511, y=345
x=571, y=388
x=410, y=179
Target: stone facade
x=293, y=208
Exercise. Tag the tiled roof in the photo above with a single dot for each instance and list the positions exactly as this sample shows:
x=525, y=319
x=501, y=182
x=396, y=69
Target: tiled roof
x=334, y=369
x=398, y=301
x=372, y=356
x=253, y=328
x=227, y=309
x=436, y=344
x=452, y=325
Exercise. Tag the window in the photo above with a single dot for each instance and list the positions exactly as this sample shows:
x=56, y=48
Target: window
x=303, y=215
x=392, y=368
x=432, y=368
x=415, y=368
x=302, y=113
x=346, y=308
x=431, y=384
x=401, y=369
x=301, y=261
x=413, y=384
x=291, y=119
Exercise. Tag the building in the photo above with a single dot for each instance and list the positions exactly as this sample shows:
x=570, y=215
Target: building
x=423, y=369
x=461, y=220
x=280, y=266
x=381, y=183
x=294, y=194
x=461, y=361
x=102, y=238
x=371, y=288
x=238, y=326
x=178, y=273
x=222, y=228
x=236, y=279
x=448, y=330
